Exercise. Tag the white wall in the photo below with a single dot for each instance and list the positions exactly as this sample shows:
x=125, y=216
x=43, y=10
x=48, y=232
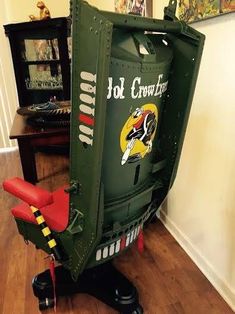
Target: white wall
x=8, y=96
x=158, y=8
x=200, y=209
x=107, y=5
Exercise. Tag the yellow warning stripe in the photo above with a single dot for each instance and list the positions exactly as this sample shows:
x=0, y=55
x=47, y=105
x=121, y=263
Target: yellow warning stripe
x=46, y=231
x=34, y=209
x=51, y=243
x=40, y=219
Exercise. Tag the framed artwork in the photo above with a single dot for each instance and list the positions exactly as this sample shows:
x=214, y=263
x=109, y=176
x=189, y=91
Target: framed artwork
x=227, y=6
x=138, y=7
x=196, y=10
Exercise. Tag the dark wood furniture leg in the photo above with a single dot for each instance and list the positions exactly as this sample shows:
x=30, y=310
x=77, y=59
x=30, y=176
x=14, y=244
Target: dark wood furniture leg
x=27, y=157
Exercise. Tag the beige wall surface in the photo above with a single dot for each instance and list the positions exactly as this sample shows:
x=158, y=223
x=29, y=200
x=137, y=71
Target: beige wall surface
x=200, y=209
x=107, y=5
x=8, y=96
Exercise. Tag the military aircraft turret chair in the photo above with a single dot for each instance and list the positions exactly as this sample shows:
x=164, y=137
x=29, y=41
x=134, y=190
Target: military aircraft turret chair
x=133, y=80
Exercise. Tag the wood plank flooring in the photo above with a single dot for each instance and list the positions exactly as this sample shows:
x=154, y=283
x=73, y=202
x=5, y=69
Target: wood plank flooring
x=167, y=280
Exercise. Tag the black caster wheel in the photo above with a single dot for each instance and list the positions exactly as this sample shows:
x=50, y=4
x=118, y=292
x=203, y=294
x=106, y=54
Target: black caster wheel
x=45, y=304
x=138, y=310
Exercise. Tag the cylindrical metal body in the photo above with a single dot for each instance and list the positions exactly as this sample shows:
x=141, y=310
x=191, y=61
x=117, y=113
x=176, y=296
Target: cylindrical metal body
x=138, y=81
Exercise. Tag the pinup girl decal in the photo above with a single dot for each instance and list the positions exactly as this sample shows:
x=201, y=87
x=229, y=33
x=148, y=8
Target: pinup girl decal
x=138, y=133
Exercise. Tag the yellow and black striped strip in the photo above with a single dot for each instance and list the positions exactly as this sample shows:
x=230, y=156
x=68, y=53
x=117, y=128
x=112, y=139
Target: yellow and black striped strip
x=46, y=232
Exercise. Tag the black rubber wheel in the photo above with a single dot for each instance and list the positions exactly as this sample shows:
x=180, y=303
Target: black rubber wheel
x=45, y=304
x=138, y=310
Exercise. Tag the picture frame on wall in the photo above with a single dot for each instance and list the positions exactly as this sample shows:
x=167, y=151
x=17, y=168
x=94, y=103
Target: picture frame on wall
x=197, y=10
x=137, y=7
x=227, y=6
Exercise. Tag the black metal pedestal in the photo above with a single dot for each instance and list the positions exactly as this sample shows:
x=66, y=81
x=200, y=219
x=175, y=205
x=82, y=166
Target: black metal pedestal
x=104, y=282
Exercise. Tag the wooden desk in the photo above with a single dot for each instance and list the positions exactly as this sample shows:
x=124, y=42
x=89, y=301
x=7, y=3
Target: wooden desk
x=29, y=137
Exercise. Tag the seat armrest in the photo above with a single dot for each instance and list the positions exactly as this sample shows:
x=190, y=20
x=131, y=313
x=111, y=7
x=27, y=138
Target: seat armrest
x=27, y=192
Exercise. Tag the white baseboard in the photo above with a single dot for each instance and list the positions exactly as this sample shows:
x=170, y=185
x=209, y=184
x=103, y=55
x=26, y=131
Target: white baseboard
x=8, y=149
x=223, y=288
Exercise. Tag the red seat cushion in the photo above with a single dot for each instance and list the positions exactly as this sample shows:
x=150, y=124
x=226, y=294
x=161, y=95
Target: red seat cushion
x=27, y=192
x=56, y=214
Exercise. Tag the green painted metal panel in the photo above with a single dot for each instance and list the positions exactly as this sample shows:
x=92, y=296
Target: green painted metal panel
x=91, y=53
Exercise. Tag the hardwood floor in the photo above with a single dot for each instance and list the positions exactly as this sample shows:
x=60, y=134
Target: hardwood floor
x=167, y=280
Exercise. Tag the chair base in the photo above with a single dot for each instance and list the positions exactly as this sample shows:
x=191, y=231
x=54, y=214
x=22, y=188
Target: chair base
x=103, y=282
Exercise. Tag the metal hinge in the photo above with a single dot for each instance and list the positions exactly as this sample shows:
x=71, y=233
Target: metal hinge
x=74, y=188
x=77, y=223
